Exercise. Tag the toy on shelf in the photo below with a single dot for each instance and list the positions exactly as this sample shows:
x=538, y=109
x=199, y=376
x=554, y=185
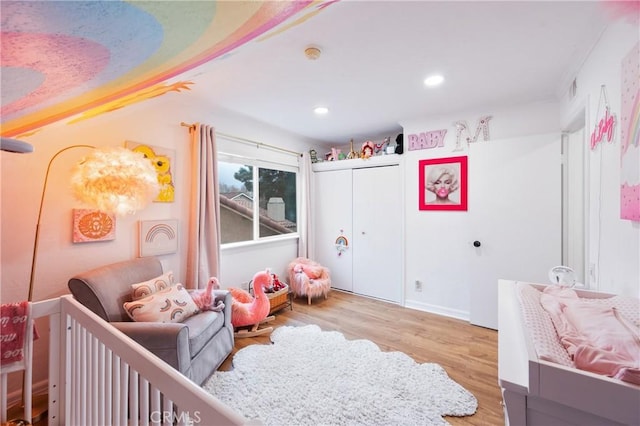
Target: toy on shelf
x=367, y=149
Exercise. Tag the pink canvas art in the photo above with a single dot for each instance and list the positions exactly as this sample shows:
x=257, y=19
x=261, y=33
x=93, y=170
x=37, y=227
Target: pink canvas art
x=93, y=225
x=630, y=137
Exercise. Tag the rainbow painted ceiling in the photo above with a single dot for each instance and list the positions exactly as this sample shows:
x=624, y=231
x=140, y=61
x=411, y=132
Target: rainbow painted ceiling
x=64, y=58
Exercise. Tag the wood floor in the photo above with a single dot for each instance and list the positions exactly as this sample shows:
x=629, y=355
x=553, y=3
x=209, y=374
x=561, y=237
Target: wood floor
x=468, y=353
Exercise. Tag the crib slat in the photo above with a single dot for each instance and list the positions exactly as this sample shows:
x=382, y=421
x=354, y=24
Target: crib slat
x=156, y=409
x=101, y=385
x=78, y=381
x=92, y=393
x=124, y=394
x=133, y=398
x=167, y=411
x=108, y=388
x=55, y=374
x=115, y=399
x=144, y=402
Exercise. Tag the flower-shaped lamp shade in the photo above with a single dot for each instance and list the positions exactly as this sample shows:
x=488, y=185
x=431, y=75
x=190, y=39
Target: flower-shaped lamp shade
x=115, y=180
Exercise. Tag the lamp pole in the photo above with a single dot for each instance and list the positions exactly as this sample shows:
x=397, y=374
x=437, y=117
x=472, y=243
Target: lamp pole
x=37, y=236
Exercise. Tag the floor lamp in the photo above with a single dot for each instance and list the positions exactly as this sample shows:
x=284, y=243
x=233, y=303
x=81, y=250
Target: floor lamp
x=112, y=180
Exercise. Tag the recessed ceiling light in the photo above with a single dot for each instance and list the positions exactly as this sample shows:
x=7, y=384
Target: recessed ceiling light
x=434, y=80
x=321, y=110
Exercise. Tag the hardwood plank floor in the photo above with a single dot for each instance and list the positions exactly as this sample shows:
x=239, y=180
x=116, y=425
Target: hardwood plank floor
x=468, y=353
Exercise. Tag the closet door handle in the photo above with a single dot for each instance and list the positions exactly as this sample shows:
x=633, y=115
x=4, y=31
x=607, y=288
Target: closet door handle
x=477, y=243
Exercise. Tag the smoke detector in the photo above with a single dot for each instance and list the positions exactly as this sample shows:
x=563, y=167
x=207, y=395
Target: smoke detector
x=312, y=53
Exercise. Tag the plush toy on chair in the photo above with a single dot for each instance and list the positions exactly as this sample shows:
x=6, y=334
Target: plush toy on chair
x=309, y=278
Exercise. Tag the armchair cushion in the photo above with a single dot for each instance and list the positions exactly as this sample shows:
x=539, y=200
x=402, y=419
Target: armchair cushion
x=172, y=304
x=202, y=328
x=167, y=341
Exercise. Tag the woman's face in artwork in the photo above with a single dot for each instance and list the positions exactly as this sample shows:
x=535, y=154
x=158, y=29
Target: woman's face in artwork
x=442, y=185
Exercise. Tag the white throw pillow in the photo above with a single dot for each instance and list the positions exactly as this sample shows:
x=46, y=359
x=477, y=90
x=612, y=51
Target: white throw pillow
x=173, y=304
x=145, y=288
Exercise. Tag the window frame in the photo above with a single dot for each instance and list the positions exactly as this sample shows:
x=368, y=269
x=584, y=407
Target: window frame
x=258, y=164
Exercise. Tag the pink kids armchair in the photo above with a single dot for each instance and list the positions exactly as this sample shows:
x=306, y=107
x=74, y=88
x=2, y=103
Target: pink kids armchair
x=308, y=278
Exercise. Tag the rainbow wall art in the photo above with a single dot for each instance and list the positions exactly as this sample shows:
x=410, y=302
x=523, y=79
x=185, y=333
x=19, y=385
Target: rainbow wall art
x=158, y=237
x=630, y=137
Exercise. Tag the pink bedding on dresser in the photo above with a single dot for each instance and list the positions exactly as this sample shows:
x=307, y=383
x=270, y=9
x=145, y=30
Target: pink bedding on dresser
x=598, y=338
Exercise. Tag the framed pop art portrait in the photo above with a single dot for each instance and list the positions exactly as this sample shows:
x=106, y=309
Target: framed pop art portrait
x=442, y=184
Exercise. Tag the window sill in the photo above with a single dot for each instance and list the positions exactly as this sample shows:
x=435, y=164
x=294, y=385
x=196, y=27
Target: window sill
x=262, y=241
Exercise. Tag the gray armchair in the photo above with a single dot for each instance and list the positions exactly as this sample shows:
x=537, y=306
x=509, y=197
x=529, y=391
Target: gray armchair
x=195, y=347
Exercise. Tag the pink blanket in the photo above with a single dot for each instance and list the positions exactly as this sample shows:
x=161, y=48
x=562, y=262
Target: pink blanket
x=14, y=320
x=597, y=337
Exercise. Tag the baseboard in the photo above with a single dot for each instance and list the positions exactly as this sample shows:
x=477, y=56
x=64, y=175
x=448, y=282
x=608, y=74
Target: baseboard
x=438, y=310
x=38, y=388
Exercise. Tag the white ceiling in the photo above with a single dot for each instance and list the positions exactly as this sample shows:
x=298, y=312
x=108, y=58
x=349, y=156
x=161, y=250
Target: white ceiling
x=376, y=54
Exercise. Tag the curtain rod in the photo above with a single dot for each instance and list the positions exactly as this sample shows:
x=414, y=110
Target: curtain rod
x=244, y=140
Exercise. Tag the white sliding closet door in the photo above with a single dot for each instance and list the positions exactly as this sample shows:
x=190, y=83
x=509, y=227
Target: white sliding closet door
x=332, y=215
x=377, y=232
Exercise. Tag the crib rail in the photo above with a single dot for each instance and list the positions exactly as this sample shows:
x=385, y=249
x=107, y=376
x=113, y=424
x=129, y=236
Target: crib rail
x=99, y=376
x=110, y=379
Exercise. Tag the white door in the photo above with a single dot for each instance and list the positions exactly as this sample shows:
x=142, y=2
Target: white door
x=377, y=233
x=515, y=210
x=333, y=205
x=574, y=204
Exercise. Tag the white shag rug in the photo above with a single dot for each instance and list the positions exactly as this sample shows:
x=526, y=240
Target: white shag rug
x=314, y=377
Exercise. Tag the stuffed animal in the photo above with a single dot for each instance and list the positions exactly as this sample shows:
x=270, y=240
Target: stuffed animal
x=205, y=299
x=248, y=310
x=308, y=278
x=399, y=143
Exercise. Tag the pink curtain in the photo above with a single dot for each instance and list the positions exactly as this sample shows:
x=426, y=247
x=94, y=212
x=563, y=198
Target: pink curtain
x=305, y=242
x=203, y=251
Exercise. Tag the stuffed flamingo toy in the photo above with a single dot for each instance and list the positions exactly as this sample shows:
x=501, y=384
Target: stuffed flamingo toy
x=247, y=310
x=205, y=300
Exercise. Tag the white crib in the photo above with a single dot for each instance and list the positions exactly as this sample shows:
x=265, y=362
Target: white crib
x=539, y=392
x=99, y=376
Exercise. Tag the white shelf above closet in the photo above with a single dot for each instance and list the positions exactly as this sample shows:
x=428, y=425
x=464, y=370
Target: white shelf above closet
x=358, y=163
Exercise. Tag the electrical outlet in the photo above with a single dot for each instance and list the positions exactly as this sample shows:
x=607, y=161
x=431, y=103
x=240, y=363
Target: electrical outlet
x=418, y=286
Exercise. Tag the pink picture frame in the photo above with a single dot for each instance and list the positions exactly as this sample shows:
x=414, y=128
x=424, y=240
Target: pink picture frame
x=442, y=183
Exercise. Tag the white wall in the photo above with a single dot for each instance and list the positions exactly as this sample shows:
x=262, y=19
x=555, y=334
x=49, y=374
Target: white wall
x=613, y=244
x=435, y=249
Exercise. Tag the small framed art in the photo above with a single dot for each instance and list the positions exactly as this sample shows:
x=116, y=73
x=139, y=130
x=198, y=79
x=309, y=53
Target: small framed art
x=158, y=237
x=442, y=184
x=93, y=225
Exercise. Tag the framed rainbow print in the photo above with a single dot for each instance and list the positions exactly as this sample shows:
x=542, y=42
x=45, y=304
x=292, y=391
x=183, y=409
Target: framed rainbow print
x=158, y=237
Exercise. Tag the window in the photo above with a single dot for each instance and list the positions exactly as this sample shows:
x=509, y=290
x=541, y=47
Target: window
x=275, y=193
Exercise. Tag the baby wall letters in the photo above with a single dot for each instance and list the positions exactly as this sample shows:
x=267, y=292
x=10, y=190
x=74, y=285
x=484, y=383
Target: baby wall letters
x=427, y=140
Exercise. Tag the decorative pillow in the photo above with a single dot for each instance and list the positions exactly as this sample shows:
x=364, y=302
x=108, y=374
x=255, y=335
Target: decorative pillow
x=145, y=288
x=173, y=304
